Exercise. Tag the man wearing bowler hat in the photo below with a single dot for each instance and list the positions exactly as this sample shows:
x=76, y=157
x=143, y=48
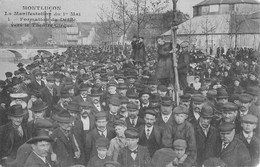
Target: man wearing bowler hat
x=232, y=150
x=85, y=90
x=207, y=136
x=41, y=145
x=133, y=120
x=144, y=98
x=13, y=134
x=95, y=95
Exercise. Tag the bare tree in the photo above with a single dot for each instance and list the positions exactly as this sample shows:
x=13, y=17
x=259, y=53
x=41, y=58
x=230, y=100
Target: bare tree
x=207, y=29
x=189, y=29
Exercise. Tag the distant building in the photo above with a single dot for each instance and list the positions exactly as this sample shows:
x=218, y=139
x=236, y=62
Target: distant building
x=224, y=23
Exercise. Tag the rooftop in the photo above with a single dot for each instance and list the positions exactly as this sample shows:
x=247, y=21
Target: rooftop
x=215, y=2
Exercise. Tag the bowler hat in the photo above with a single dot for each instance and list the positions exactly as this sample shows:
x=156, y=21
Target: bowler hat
x=180, y=110
x=16, y=111
x=207, y=111
x=145, y=91
x=84, y=87
x=20, y=65
x=131, y=133
x=131, y=94
x=41, y=135
x=166, y=101
x=63, y=117
x=8, y=74
x=185, y=97
x=115, y=101
x=96, y=92
x=43, y=124
x=38, y=106
x=132, y=106
x=226, y=126
x=250, y=118
x=120, y=122
x=162, y=88
x=222, y=94
x=198, y=98
x=122, y=86
x=72, y=107
x=102, y=142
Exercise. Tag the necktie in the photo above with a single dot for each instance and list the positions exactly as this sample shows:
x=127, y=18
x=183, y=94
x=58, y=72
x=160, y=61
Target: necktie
x=224, y=145
x=47, y=163
x=102, y=133
x=20, y=131
x=165, y=118
x=133, y=122
x=249, y=137
x=147, y=133
x=133, y=154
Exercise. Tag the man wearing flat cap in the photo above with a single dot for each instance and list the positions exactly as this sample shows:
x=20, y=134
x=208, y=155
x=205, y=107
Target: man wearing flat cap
x=232, y=150
x=134, y=155
x=249, y=123
x=133, y=120
x=245, y=101
x=150, y=135
x=207, y=136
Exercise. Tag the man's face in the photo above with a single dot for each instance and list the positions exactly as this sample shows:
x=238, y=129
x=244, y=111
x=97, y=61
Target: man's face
x=227, y=137
x=102, y=151
x=252, y=77
x=204, y=122
x=153, y=87
x=197, y=107
x=162, y=94
x=180, y=118
x=236, y=83
x=160, y=41
x=73, y=113
x=229, y=116
x=113, y=108
x=166, y=110
x=132, y=80
x=42, y=148
x=145, y=98
x=179, y=152
x=101, y=123
x=16, y=121
x=248, y=126
x=50, y=84
x=111, y=89
x=84, y=93
x=132, y=143
x=95, y=99
x=120, y=130
x=222, y=100
x=122, y=92
x=1, y=89
x=149, y=120
x=40, y=114
x=38, y=77
x=66, y=126
x=133, y=114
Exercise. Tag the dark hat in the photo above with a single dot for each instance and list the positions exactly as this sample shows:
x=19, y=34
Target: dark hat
x=120, y=122
x=37, y=73
x=151, y=112
x=68, y=81
x=64, y=93
x=64, y=117
x=84, y=87
x=120, y=76
x=152, y=81
x=185, y=97
x=222, y=94
x=96, y=92
x=226, y=126
x=166, y=101
x=111, y=83
x=122, y=86
x=115, y=101
x=250, y=118
x=180, y=143
x=198, y=98
x=245, y=98
x=203, y=88
x=16, y=111
x=16, y=81
x=131, y=76
x=85, y=77
x=20, y=65
x=144, y=91
x=180, y=110
x=102, y=142
x=132, y=106
x=50, y=78
x=73, y=73
x=101, y=115
x=229, y=106
x=111, y=164
x=131, y=94
x=233, y=97
x=214, y=162
x=2, y=83
x=8, y=74
x=72, y=106
x=43, y=124
x=253, y=90
x=237, y=79
x=212, y=93
x=162, y=88
x=124, y=100
x=42, y=135
x=38, y=106
x=155, y=98
x=207, y=111
x=184, y=44
x=131, y=133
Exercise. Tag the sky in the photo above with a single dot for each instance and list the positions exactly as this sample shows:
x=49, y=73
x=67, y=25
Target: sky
x=88, y=9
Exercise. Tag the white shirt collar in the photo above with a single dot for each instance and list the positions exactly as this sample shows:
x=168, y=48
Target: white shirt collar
x=246, y=135
x=42, y=158
x=150, y=128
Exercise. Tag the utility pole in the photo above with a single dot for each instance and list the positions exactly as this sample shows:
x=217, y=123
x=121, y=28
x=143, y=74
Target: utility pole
x=174, y=57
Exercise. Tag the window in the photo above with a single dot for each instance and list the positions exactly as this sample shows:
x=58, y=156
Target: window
x=213, y=8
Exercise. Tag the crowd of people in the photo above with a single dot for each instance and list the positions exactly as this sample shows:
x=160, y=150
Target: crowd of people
x=89, y=107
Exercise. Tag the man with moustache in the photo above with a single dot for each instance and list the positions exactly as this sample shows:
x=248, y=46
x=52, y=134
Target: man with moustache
x=150, y=135
x=95, y=95
x=133, y=120
x=144, y=98
x=85, y=90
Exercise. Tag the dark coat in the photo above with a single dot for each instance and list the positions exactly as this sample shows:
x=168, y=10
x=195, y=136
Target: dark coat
x=34, y=161
x=235, y=154
x=78, y=99
x=9, y=142
x=63, y=147
x=142, y=158
x=183, y=63
x=23, y=153
x=36, y=86
x=162, y=124
x=206, y=145
x=184, y=131
x=139, y=122
x=140, y=55
x=253, y=148
x=90, y=142
x=154, y=142
x=164, y=67
x=50, y=99
x=95, y=161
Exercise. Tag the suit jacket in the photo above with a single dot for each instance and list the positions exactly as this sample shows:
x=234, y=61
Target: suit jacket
x=78, y=99
x=142, y=111
x=161, y=123
x=206, y=145
x=154, y=142
x=142, y=158
x=9, y=145
x=90, y=142
x=253, y=148
x=139, y=122
x=50, y=99
x=23, y=153
x=34, y=161
x=235, y=154
x=36, y=86
x=63, y=147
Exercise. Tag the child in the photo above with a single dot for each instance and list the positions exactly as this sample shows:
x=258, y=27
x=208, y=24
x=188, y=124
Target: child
x=101, y=157
x=181, y=129
x=179, y=148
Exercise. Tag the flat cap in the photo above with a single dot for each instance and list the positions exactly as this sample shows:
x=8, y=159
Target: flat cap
x=229, y=106
x=226, y=126
x=166, y=101
x=111, y=83
x=185, y=97
x=102, y=142
x=162, y=88
x=245, y=98
x=198, y=98
x=120, y=122
x=253, y=90
x=115, y=101
x=122, y=86
x=180, y=143
x=124, y=100
x=101, y=115
x=132, y=106
x=43, y=124
x=111, y=164
x=250, y=118
x=131, y=133
x=151, y=112
x=180, y=110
